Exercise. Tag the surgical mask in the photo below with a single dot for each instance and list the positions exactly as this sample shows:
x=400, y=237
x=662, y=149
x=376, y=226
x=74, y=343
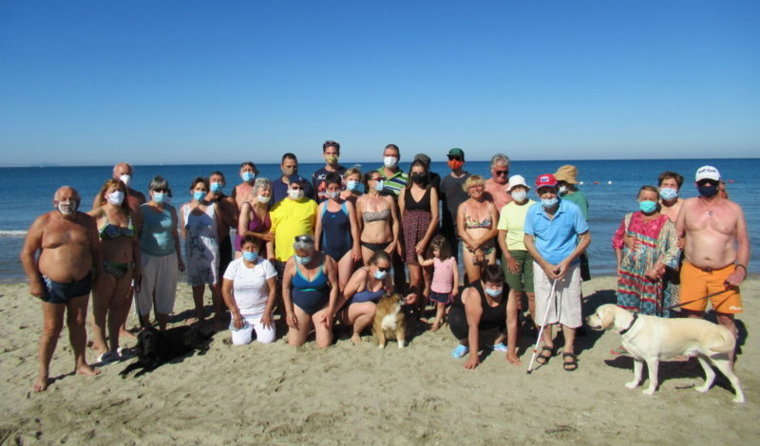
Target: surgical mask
x=334, y=195
x=216, y=187
x=647, y=206
x=519, y=195
x=250, y=256
x=390, y=161
x=302, y=260
x=379, y=186
x=380, y=275
x=493, y=292
x=562, y=190
x=548, y=203
x=353, y=185
x=67, y=207
x=331, y=159
x=198, y=195
x=159, y=197
x=295, y=194
x=418, y=178
x=248, y=176
x=455, y=164
x=115, y=198
x=668, y=193
x=125, y=179
x=707, y=191
x=263, y=199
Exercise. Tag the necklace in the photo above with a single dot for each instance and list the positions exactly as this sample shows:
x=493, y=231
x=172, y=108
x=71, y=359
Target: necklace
x=708, y=209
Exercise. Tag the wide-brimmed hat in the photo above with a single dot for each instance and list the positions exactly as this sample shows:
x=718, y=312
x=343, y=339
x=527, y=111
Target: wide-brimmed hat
x=707, y=173
x=567, y=173
x=517, y=180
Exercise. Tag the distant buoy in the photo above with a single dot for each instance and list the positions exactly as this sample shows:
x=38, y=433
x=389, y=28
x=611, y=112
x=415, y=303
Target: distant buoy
x=596, y=182
x=731, y=181
x=609, y=182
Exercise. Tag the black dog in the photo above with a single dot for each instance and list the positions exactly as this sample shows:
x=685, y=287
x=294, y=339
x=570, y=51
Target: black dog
x=154, y=347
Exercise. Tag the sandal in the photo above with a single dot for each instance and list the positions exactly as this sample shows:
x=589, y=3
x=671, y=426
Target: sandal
x=618, y=351
x=572, y=364
x=500, y=347
x=542, y=357
x=460, y=351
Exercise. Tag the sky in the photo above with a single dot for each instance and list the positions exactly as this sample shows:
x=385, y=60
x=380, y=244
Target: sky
x=186, y=82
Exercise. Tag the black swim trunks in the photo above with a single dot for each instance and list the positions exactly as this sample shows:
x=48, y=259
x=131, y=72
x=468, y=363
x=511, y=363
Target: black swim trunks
x=61, y=292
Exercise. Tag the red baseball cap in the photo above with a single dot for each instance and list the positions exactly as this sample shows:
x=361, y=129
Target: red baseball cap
x=546, y=180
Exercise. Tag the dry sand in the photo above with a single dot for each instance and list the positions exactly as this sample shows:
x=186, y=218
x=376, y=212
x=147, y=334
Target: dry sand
x=277, y=394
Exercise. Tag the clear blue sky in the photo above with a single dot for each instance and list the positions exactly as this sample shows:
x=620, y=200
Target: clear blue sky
x=202, y=81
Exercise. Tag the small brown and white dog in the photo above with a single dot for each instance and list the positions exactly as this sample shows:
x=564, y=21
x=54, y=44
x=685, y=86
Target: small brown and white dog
x=389, y=321
x=651, y=339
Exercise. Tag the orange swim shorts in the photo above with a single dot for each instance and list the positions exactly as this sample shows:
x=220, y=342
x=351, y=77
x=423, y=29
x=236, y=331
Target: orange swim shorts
x=697, y=282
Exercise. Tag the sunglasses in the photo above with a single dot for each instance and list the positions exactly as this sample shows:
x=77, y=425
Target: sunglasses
x=296, y=188
x=384, y=270
x=501, y=172
x=304, y=239
x=454, y=158
x=376, y=179
x=706, y=182
x=161, y=189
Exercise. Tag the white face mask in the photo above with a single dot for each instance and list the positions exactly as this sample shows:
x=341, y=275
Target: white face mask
x=562, y=190
x=263, y=199
x=67, y=207
x=295, y=194
x=390, y=161
x=333, y=195
x=519, y=195
x=115, y=198
x=126, y=179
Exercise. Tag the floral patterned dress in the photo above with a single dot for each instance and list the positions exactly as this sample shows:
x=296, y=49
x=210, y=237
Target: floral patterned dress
x=201, y=246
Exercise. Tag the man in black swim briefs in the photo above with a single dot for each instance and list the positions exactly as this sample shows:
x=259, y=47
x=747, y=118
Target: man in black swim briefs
x=69, y=263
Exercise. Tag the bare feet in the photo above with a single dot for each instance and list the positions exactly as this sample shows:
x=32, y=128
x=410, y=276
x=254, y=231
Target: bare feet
x=124, y=333
x=356, y=338
x=436, y=325
x=512, y=358
x=87, y=370
x=41, y=383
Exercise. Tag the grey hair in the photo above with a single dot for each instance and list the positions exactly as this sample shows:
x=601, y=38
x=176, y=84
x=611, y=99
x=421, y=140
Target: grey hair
x=304, y=245
x=262, y=182
x=158, y=182
x=499, y=158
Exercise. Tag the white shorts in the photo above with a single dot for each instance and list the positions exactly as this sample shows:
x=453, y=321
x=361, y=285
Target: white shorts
x=566, y=307
x=159, y=279
x=243, y=336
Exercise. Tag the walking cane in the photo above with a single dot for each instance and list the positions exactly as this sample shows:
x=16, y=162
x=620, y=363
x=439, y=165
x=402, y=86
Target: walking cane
x=541, y=330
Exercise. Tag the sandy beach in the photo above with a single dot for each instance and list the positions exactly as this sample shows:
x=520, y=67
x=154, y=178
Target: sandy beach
x=357, y=394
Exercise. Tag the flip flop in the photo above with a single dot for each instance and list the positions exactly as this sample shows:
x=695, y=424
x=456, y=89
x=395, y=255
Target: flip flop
x=460, y=351
x=618, y=351
x=543, y=358
x=500, y=347
x=572, y=364
x=107, y=357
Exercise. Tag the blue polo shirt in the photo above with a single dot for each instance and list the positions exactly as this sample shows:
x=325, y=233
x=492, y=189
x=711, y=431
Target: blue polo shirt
x=557, y=238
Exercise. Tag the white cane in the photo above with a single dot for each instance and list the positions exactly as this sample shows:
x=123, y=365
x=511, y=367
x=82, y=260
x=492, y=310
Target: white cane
x=543, y=324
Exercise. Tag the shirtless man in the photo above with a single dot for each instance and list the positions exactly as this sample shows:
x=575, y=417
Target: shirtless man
x=670, y=185
x=496, y=186
x=243, y=192
x=123, y=172
x=716, y=250
x=62, y=277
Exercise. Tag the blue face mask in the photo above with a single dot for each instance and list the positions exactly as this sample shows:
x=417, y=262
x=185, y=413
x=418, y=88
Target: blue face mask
x=549, y=203
x=198, y=195
x=248, y=176
x=708, y=191
x=303, y=260
x=353, y=185
x=668, y=193
x=493, y=292
x=216, y=187
x=648, y=207
x=158, y=197
x=379, y=186
x=250, y=256
x=380, y=275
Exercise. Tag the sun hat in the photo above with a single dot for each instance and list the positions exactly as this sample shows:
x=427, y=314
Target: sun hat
x=517, y=180
x=567, y=173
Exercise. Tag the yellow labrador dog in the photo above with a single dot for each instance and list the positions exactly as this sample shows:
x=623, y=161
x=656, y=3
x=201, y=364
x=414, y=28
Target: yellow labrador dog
x=651, y=339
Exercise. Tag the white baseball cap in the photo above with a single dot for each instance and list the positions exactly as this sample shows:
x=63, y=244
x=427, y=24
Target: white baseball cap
x=707, y=173
x=516, y=180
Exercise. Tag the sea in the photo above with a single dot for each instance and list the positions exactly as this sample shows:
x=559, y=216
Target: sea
x=610, y=185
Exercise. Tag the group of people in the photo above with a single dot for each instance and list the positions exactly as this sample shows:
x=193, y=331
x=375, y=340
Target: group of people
x=325, y=251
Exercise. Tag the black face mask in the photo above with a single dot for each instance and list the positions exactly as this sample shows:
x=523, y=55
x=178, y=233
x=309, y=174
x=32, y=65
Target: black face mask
x=418, y=178
x=707, y=191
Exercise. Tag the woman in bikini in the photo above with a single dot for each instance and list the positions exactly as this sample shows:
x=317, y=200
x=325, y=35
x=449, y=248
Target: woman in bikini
x=377, y=218
x=336, y=230
x=121, y=259
x=254, y=218
x=477, y=219
x=366, y=286
x=309, y=293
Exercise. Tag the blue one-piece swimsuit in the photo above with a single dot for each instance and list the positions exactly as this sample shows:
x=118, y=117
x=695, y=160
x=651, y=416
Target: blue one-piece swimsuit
x=336, y=232
x=310, y=295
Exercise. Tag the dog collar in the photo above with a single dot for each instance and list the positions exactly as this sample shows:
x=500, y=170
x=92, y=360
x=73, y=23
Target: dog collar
x=633, y=321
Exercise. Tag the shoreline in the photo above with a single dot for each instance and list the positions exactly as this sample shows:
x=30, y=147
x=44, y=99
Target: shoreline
x=357, y=393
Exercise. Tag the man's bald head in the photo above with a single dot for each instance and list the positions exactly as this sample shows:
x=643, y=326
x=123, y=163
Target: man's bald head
x=66, y=200
x=122, y=169
x=66, y=192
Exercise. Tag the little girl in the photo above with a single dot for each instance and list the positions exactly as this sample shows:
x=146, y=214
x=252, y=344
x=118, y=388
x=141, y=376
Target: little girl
x=445, y=277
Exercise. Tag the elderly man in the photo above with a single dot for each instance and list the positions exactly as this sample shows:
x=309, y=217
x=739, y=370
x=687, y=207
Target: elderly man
x=123, y=172
x=496, y=186
x=280, y=187
x=716, y=251
x=555, y=236
x=62, y=277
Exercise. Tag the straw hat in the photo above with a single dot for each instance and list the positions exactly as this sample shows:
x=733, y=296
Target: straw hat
x=568, y=174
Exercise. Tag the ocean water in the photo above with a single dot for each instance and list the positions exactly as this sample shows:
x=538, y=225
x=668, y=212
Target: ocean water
x=610, y=185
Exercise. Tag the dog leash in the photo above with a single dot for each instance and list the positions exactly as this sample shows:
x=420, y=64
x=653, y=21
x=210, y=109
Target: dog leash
x=697, y=300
